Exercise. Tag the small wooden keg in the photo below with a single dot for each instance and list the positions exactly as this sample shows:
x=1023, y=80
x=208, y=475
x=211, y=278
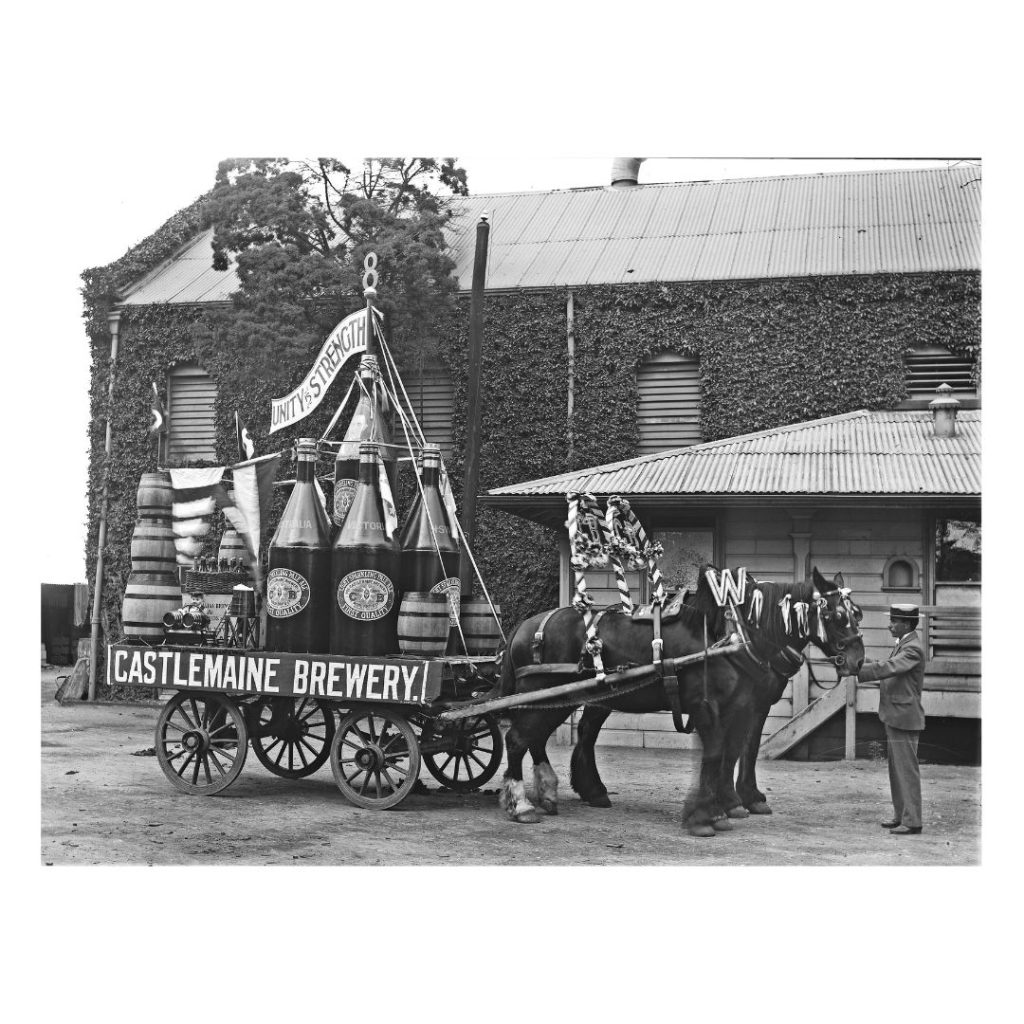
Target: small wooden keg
x=423, y=624
x=478, y=626
x=147, y=597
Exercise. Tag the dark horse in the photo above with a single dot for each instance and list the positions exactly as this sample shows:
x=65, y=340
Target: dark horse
x=778, y=632
x=723, y=697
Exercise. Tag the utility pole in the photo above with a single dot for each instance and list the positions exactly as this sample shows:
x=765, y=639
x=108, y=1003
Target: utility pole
x=476, y=334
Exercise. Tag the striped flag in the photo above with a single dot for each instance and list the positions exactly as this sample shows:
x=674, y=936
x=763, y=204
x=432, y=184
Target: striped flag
x=192, y=506
x=247, y=505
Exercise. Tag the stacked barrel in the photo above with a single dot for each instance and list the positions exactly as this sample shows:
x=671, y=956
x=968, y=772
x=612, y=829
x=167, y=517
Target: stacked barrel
x=153, y=588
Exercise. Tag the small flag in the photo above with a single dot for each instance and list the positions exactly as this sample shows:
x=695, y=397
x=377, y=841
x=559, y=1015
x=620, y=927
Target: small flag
x=192, y=508
x=390, y=516
x=157, y=423
x=246, y=449
x=247, y=505
x=449, y=504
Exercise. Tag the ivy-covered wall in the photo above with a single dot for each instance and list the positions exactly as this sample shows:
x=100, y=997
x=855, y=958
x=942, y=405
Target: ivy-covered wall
x=771, y=352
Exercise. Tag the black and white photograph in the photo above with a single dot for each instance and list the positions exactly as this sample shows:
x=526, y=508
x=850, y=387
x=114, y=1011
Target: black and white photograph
x=639, y=504
x=548, y=581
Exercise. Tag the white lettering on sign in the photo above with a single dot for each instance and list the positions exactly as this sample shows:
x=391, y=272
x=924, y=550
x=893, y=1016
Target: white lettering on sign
x=254, y=673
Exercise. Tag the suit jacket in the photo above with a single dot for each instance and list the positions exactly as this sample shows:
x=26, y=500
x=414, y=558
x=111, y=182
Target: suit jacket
x=901, y=679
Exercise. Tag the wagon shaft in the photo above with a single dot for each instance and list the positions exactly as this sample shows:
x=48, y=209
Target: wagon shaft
x=614, y=678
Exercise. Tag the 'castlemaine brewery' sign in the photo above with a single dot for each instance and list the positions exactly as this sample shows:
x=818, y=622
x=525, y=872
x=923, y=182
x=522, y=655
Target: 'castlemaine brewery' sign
x=241, y=673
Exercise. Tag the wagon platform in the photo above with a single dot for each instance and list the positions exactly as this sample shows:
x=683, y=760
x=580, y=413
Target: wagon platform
x=106, y=802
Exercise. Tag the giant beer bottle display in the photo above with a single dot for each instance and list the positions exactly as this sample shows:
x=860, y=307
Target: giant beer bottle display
x=365, y=570
x=299, y=576
x=368, y=423
x=430, y=551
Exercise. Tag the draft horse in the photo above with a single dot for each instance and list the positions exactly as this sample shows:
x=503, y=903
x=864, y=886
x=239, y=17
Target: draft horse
x=717, y=696
x=780, y=620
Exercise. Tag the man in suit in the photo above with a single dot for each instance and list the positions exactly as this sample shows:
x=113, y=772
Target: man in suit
x=901, y=679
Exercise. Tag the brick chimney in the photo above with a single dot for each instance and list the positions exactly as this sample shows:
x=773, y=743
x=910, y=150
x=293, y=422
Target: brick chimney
x=944, y=410
x=626, y=171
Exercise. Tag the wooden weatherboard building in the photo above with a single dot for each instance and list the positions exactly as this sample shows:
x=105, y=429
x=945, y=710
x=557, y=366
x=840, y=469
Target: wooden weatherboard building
x=881, y=496
x=621, y=321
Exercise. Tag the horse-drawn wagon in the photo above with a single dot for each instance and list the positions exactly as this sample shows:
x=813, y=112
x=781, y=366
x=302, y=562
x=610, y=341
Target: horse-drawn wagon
x=719, y=655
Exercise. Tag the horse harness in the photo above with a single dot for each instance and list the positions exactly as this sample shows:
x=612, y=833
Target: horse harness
x=663, y=671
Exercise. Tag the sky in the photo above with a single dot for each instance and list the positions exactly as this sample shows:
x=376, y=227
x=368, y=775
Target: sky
x=128, y=202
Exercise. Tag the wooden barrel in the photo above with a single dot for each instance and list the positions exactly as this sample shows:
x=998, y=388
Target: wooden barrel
x=147, y=597
x=423, y=624
x=478, y=626
x=153, y=499
x=232, y=546
x=153, y=546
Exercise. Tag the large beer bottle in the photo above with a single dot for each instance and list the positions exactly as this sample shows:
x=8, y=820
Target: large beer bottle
x=365, y=566
x=368, y=423
x=299, y=576
x=430, y=551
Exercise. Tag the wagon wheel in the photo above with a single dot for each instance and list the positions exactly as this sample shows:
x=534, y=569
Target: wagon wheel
x=375, y=757
x=462, y=755
x=292, y=736
x=201, y=742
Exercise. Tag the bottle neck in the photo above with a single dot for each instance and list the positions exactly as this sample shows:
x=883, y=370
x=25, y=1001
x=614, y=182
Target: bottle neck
x=304, y=472
x=367, y=471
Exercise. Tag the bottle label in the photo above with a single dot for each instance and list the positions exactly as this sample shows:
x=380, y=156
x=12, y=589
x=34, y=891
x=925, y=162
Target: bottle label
x=287, y=593
x=452, y=587
x=344, y=492
x=366, y=595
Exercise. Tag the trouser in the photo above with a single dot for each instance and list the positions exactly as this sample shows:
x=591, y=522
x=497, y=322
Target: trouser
x=904, y=776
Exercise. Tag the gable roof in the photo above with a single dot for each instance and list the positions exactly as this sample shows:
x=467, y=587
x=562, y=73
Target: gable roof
x=860, y=222
x=886, y=453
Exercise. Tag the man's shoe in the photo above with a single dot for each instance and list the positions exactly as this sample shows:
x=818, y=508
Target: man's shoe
x=906, y=830
x=891, y=823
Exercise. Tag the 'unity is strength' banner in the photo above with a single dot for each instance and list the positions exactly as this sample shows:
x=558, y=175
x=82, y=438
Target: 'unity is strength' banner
x=346, y=340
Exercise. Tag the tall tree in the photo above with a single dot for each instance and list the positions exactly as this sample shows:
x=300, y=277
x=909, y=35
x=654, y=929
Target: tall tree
x=299, y=230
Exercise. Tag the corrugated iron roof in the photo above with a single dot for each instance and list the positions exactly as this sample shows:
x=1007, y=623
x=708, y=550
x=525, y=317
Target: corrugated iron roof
x=884, y=453
x=860, y=222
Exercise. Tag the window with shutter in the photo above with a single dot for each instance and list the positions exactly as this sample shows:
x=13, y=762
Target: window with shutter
x=929, y=366
x=432, y=394
x=669, y=402
x=191, y=412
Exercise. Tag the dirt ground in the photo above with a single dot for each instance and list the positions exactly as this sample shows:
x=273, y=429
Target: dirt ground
x=102, y=803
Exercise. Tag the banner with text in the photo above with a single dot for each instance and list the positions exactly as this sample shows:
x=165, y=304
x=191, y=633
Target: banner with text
x=346, y=340
x=394, y=680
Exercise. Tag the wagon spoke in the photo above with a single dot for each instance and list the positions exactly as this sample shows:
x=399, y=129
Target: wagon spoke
x=188, y=760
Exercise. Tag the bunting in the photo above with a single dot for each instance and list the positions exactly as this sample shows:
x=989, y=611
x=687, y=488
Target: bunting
x=193, y=503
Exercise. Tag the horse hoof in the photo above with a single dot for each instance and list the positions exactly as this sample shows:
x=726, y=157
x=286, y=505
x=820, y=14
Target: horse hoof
x=738, y=812
x=722, y=825
x=530, y=817
x=701, y=831
x=759, y=807
x=599, y=801
x=548, y=806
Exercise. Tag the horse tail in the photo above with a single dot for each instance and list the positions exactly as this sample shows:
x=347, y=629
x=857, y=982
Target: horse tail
x=508, y=671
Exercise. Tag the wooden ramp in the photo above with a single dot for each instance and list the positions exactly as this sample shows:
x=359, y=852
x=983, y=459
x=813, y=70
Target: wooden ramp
x=816, y=713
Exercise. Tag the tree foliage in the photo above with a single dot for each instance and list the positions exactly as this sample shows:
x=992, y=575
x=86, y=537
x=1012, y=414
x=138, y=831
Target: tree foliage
x=298, y=231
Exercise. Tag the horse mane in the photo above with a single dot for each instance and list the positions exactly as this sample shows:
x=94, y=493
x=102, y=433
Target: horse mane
x=771, y=625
